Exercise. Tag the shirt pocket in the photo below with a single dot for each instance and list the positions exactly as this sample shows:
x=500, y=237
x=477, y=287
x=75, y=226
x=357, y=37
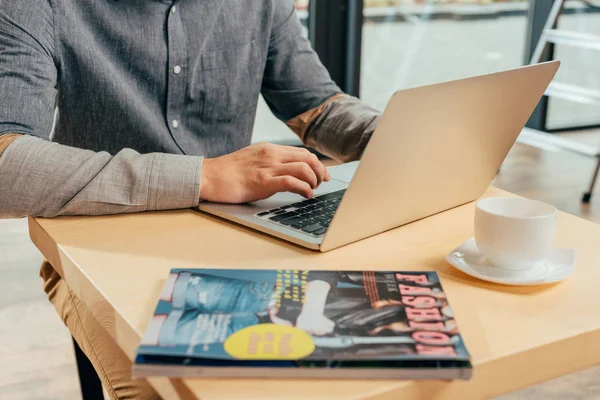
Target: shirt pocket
x=231, y=79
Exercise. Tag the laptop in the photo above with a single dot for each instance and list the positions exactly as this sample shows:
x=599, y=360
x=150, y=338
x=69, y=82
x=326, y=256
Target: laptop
x=435, y=147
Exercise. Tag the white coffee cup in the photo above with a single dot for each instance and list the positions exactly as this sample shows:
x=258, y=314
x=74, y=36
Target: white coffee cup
x=514, y=233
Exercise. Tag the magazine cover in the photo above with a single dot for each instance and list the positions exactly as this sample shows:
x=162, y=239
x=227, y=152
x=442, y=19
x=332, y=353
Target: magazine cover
x=308, y=316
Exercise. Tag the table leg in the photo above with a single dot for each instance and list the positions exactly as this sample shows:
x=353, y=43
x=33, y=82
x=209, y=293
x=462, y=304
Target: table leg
x=91, y=387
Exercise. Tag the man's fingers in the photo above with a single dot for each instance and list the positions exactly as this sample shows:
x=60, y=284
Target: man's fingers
x=298, y=170
x=294, y=149
x=303, y=155
x=290, y=184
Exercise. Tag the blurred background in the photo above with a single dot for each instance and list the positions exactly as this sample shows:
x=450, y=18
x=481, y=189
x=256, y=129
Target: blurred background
x=373, y=48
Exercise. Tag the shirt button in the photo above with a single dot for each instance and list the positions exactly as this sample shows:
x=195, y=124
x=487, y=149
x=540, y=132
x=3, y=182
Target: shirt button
x=175, y=124
x=173, y=9
x=177, y=70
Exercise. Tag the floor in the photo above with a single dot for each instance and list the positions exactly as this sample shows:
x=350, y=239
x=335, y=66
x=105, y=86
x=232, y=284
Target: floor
x=35, y=348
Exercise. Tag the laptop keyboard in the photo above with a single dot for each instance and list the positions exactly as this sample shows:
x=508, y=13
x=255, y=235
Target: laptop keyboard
x=311, y=216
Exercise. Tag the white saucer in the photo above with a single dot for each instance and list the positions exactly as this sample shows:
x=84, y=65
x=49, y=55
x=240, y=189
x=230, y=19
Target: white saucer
x=555, y=267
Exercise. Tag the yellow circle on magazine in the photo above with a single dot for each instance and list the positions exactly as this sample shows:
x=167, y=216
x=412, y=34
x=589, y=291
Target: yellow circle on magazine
x=269, y=342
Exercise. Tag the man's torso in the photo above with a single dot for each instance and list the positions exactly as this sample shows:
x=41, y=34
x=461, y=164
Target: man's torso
x=176, y=77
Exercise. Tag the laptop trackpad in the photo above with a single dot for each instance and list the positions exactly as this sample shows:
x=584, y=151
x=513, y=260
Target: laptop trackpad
x=343, y=172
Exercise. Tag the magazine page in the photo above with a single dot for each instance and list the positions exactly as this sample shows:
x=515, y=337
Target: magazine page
x=303, y=315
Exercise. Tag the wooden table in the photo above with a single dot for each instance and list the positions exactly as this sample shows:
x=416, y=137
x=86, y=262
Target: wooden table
x=518, y=336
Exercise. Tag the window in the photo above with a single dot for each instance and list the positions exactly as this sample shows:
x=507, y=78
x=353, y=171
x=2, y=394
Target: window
x=408, y=43
x=579, y=67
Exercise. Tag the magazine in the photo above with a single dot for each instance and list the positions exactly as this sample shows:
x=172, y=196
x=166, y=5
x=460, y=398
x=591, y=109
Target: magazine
x=299, y=323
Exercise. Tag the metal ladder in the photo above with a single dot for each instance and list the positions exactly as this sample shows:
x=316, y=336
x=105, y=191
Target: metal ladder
x=568, y=91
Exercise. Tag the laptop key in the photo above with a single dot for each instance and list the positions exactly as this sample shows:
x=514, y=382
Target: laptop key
x=291, y=221
x=312, y=228
x=333, y=195
x=320, y=232
x=307, y=202
x=302, y=223
x=262, y=214
x=281, y=217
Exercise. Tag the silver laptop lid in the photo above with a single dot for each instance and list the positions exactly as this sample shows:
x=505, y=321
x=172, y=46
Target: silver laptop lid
x=436, y=147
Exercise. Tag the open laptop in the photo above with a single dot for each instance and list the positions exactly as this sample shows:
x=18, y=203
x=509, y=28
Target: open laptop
x=436, y=147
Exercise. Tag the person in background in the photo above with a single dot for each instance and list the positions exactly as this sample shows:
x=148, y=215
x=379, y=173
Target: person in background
x=155, y=104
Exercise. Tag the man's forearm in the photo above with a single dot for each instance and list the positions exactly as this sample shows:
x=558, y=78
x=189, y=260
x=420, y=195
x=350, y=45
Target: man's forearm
x=40, y=178
x=340, y=128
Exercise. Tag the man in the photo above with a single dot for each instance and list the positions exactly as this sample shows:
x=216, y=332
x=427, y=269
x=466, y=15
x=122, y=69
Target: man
x=156, y=102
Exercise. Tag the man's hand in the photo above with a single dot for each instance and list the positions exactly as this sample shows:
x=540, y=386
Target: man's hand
x=259, y=171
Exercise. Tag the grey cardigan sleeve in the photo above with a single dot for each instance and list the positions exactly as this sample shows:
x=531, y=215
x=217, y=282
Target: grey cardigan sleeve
x=40, y=178
x=300, y=92
x=342, y=129
x=45, y=179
